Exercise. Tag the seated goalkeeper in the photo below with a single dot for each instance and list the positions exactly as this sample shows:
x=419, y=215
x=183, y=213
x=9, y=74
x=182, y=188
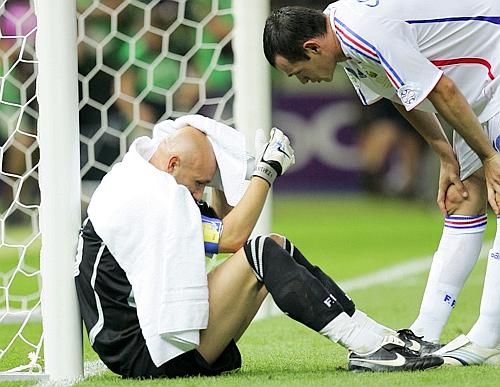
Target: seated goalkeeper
x=149, y=306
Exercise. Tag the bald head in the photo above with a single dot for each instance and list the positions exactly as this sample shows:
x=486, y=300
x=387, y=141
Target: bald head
x=188, y=156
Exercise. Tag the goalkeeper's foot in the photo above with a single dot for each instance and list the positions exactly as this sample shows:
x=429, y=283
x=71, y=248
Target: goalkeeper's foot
x=392, y=355
x=416, y=343
x=462, y=352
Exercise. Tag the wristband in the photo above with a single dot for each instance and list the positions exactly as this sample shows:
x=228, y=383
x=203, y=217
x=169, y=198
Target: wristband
x=266, y=172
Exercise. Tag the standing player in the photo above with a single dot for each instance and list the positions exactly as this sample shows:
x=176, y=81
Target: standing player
x=426, y=57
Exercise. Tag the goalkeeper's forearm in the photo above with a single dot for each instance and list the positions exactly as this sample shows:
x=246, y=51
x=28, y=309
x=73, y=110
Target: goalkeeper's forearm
x=239, y=223
x=219, y=203
x=268, y=170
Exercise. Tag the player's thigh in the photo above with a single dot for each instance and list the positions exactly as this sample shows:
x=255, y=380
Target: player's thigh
x=472, y=175
x=235, y=296
x=467, y=158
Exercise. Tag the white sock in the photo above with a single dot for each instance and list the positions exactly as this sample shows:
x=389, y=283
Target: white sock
x=348, y=333
x=367, y=322
x=453, y=261
x=486, y=330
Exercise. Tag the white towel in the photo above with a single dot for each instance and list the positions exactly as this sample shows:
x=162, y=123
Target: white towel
x=229, y=149
x=152, y=226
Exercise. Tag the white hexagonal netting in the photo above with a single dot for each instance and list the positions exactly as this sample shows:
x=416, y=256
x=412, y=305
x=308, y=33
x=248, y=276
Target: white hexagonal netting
x=140, y=61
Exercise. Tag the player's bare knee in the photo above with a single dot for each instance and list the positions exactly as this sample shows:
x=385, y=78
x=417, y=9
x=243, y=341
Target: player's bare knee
x=279, y=239
x=454, y=199
x=474, y=203
x=258, y=250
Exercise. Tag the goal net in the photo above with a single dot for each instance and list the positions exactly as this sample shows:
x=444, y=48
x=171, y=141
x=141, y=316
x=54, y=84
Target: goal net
x=20, y=283
x=139, y=61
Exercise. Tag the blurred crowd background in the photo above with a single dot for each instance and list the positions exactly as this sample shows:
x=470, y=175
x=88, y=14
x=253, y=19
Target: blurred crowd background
x=141, y=61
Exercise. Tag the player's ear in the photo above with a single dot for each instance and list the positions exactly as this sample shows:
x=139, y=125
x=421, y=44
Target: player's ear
x=311, y=46
x=172, y=163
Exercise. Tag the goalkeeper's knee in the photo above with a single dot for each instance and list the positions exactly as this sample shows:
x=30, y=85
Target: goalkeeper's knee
x=328, y=282
x=295, y=290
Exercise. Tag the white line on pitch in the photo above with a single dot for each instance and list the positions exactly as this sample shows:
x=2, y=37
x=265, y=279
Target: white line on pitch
x=393, y=273
x=396, y=272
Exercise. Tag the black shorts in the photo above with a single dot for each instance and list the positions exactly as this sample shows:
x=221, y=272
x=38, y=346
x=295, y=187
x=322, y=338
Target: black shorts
x=188, y=364
x=119, y=341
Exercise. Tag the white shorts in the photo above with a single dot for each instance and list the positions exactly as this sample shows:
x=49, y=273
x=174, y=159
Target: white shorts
x=467, y=158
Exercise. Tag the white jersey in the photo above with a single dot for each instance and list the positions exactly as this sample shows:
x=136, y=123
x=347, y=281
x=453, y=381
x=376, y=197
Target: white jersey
x=400, y=49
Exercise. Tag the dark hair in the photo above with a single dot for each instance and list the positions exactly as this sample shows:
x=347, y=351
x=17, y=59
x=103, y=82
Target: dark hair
x=288, y=28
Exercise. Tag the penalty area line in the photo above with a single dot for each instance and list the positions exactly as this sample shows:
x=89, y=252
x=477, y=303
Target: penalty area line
x=407, y=269
x=397, y=272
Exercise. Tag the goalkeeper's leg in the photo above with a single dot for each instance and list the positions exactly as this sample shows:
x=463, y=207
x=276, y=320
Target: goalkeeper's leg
x=346, y=301
x=236, y=291
x=303, y=297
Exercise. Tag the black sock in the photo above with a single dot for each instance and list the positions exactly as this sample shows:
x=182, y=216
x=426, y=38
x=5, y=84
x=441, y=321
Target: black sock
x=296, y=291
x=346, y=301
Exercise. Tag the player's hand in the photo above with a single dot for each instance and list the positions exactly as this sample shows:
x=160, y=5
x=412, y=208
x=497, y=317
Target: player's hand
x=491, y=167
x=449, y=174
x=261, y=142
x=276, y=158
x=278, y=152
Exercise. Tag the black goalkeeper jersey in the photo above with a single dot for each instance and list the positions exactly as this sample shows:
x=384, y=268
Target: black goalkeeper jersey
x=107, y=305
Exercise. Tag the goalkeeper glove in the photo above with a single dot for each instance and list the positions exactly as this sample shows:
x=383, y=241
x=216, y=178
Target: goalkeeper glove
x=276, y=158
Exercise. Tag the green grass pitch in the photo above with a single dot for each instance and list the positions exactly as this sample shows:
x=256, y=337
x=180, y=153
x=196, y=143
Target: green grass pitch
x=348, y=237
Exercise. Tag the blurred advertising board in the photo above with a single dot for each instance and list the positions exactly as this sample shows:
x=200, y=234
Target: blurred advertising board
x=322, y=131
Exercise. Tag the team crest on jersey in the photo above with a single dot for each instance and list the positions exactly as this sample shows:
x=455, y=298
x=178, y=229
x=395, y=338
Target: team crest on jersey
x=407, y=94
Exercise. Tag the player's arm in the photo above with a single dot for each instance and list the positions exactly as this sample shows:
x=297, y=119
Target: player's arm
x=227, y=232
x=454, y=108
x=431, y=130
x=219, y=203
x=276, y=158
x=239, y=223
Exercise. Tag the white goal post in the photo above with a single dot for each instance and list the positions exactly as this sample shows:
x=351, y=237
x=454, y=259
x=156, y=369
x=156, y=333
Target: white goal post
x=59, y=180
x=61, y=31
